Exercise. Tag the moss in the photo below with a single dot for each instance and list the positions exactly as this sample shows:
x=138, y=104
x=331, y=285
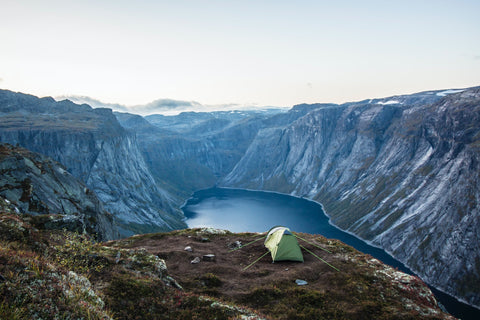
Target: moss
x=210, y=280
x=146, y=299
x=112, y=280
x=263, y=296
x=135, y=298
x=79, y=253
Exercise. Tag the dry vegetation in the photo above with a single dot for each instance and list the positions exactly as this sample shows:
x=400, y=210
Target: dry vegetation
x=64, y=275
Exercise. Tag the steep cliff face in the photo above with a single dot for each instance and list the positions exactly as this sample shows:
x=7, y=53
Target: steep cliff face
x=400, y=174
x=37, y=185
x=97, y=150
x=192, y=151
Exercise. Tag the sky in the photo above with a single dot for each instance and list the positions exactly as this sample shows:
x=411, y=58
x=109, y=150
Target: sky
x=245, y=52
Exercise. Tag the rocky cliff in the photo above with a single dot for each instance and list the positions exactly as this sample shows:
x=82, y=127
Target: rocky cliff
x=96, y=149
x=37, y=185
x=401, y=172
x=193, y=151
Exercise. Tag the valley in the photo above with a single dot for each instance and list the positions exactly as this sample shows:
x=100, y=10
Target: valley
x=400, y=172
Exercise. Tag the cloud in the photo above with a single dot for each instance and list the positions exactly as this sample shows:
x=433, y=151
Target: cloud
x=93, y=102
x=162, y=106
x=1, y=80
x=169, y=104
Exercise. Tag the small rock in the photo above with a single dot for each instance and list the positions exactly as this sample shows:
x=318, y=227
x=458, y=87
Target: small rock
x=301, y=282
x=209, y=257
x=212, y=231
x=235, y=245
x=205, y=240
x=117, y=258
x=188, y=248
x=195, y=261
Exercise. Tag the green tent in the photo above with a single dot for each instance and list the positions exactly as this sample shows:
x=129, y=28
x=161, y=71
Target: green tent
x=283, y=245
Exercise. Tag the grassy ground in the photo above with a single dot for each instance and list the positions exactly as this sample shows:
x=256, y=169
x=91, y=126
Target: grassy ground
x=64, y=275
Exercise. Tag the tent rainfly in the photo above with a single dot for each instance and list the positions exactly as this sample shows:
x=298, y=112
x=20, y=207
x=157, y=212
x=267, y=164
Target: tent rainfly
x=283, y=245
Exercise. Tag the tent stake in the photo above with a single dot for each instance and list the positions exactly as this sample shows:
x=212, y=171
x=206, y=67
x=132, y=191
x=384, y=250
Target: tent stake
x=313, y=244
x=251, y=264
x=319, y=257
x=247, y=244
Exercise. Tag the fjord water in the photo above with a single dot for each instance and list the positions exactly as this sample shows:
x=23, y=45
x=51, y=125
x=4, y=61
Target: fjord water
x=240, y=210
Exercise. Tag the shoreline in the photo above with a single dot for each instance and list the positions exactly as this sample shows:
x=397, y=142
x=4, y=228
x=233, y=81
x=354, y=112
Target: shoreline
x=438, y=291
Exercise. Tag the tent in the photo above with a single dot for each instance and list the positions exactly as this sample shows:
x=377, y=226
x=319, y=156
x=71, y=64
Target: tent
x=283, y=245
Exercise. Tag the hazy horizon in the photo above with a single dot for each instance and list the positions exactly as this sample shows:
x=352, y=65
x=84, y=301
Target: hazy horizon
x=248, y=53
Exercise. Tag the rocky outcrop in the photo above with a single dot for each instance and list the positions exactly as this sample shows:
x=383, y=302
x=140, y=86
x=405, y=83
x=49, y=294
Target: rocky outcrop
x=401, y=174
x=95, y=148
x=37, y=185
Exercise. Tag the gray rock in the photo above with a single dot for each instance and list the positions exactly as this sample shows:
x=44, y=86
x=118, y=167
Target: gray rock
x=235, y=245
x=195, y=261
x=301, y=282
x=209, y=257
x=37, y=185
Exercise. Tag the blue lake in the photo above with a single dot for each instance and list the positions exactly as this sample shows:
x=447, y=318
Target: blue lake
x=255, y=211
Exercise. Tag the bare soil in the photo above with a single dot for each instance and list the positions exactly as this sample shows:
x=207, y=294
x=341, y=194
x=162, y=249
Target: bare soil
x=353, y=292
x=229, y=265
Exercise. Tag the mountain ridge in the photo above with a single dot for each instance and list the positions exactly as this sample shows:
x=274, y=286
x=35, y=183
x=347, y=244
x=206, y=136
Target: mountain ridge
x=400, y=172
x=367, y=150
x=96, y=149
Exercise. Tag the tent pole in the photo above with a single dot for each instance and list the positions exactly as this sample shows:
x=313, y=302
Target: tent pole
x=251, y=264
x=248, y=244
x=313, y=244
x=318, y=257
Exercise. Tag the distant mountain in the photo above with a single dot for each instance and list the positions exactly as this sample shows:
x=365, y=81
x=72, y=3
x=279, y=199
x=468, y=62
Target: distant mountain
x=96, y=149
x=167, y=107
x=93, y=102
x=193, y=150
